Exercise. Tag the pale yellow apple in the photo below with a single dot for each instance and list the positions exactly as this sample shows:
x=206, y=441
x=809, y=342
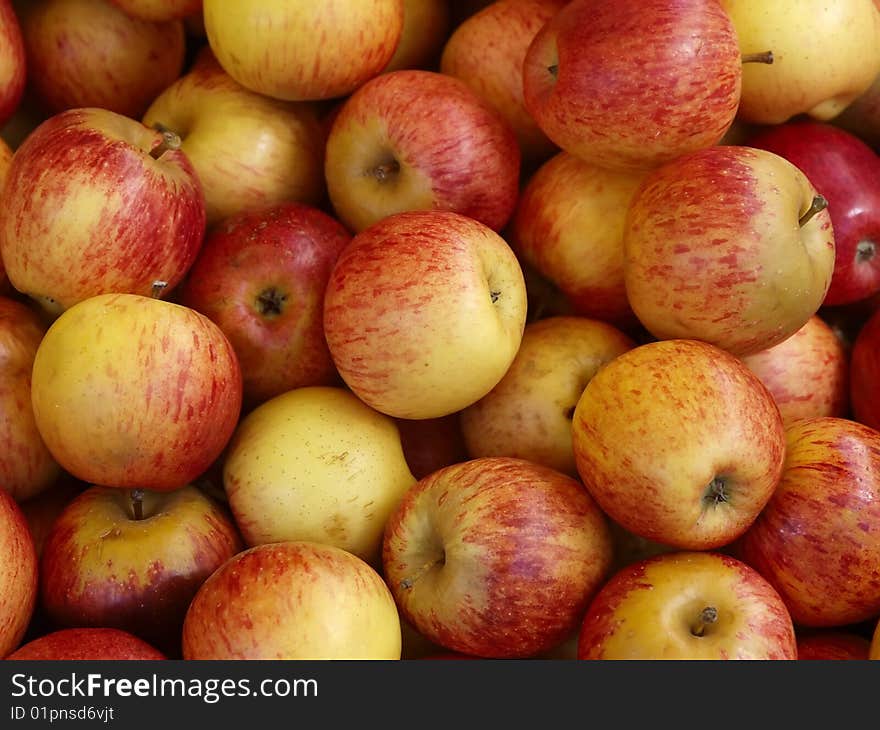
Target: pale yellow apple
x=825, y=55
x=528, y=414
x=316, y=464
x=426, y=24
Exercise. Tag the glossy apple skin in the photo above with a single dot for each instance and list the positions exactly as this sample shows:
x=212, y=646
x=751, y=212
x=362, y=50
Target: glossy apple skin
x=89, y=53
x=260, y=276
x=88, y=211
x=719, y=422
x=432, y=443
x=862, y=116
x=833, y=644
x=159, y=11
x=646, y=610
x=18, y=574
x=496, y=557
x=630, y=56
x=293, y=600
x=865, y=373
x=87, y=644
x=817, y=539
x=846, y=171
x=150, y=409
x=13, y=63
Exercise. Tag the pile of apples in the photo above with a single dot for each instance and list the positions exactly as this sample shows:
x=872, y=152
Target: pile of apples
x=403, y=329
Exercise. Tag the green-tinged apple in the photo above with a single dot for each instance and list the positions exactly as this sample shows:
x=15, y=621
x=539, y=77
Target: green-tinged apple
x=303, y=51
x=687, y=605
x=833, y=644
x=13, y=63
x=260, y=276
x=112, y=562
x=432, y=443
x=730, y=245
x=802, y=36
x=680, y=443
x=864, y=373
x=528, y=413
x=386, y=152
x=98, y=203
x=18, y=575
x=568, y=226
x=424, y=312
x=633, y=85
x=293, y=600
x=87, y=644
x=42, y=510
x=148, y=403
x=487, y=52
x=26, y=466
x=89, y=53
x=818, y=538
x=426, y=26
x=316, y=464
x=160, y=11
x=496, y=557
x=249, y=150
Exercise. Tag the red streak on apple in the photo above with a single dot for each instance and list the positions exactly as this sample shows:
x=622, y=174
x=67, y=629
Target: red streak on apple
x=87, y=644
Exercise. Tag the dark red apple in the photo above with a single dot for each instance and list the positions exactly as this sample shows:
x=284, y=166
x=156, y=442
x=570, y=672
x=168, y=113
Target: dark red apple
x=864, y=373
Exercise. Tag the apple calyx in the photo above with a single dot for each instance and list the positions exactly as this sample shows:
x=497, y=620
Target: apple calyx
x=716, y=492
x=270, y=302
x=865, y=251
x=170, y=141
x=707, y=617
x=137, y=503
x=765, y=57
x=819, y=204
x=407, y=583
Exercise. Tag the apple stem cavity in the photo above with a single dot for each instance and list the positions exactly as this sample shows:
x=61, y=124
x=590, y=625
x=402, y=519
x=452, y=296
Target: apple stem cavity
x=170, y=141
x=553, y=70
x=765, y=57
x=865, y=251
x=157, y=288
x=716, y=492
x=707, y=617
x=407, y=583
x=385, y=171
x=137, y=503
x=819, y=204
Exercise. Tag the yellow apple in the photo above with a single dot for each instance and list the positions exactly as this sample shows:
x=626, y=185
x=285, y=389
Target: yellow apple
x=426, y=24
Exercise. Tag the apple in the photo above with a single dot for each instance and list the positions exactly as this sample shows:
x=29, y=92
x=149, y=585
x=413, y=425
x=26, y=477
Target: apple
x=13, y=62
x=846, y=172
x=874, y=648
x=731, y=245
x=802, y=36
x=97, y=203
x=679, y=442
x=487, y=52
x=864, y=373
x=861, y=116
x=424, y=312
x=316, y=464
x=818, y=538
x=159, y=11
x=111, y=562
x=807, y=374
x=528, y=413
x=687, y=605
x=432, y=443
x=426, y=25
x=260, y=276
x=148, y=403
x=303, y=51
x=18, y=574
x=832, y=644
x=26, y=465
x=89, y=53
x=28, y=115
x=667, y=76
x=293, y=600
x=42, y=510
x=87, y=644
x=386, y=152
x=249, y=150
x=496, y=557
x=568, y=226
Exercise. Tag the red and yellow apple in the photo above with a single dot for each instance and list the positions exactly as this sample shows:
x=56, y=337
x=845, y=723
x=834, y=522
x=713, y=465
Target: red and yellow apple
x=87, y=644
x=18, y=575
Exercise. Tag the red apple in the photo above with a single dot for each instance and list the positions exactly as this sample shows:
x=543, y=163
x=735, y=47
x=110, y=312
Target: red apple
x=260, y=276
x=846, y=171
x=496, y=557
x=825, y=644
x=18, y=574
x=432, y=443
x=95, y=203
x=159, y=11
x=42, y=510
x=13, y=64
x=87, y=644
x=864, y=373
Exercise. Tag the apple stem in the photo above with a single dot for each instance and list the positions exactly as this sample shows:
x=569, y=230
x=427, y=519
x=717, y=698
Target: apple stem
x=707, y=617
x=385, y=170
x=170, y=141
x=865, y=251
x=765, y=57
x=157, y=288
x=819, y=204
x=137, y=503
x=408, y=583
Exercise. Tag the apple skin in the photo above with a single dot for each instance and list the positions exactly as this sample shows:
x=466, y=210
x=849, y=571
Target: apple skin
x=631, y=56
x=704, y=483
x=293, y=600
x=496, y=557
x=439, y=294
x=864, y=373
x=861, y=117
x=18, y=574
x=150, y=407
x=832, y=644
x=87, y=210
x=248, y=150
x=386, y=154
x=432, y=443
x=260, y=276
x=42, y=510
x=647, y=610
x=159, y=11
x=426, y=26
x=13, y=62
x=807, y=374
x=846, y=171
x=271, y=47
x=713, y=249
x=89, y=53
x=817, y=539
x=87, y=644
